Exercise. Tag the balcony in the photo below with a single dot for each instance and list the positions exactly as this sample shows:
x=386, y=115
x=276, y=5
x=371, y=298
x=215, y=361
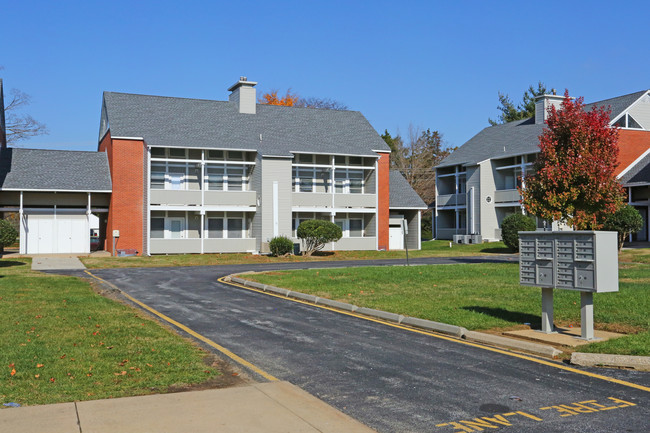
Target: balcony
x=193, y=198
x=317, y=199
x=451, y=200
x=507, y=196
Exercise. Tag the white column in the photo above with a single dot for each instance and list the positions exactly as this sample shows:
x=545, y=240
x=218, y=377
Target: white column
x=23, y=227
x=276, y=211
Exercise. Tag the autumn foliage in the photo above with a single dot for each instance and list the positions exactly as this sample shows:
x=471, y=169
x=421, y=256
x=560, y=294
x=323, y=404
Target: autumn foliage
x=574, y=178
x=272, y=98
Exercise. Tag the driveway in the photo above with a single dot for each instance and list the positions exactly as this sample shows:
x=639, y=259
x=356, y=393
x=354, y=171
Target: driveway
x=391, y=379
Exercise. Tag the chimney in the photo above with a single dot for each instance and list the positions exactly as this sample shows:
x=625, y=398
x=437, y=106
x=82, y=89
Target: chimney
x=543, y=103
x=242, y=93
x=3, y=130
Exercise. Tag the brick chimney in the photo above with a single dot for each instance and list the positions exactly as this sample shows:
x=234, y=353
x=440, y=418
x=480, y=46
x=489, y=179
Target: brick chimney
x=3, y=130
x=543, y=103
x=243, y=94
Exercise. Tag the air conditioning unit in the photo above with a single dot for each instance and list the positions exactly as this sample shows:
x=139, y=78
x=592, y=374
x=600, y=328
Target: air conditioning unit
x=475, y=239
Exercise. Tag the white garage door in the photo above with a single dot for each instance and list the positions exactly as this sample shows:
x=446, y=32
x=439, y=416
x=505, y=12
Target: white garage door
x=47, y=233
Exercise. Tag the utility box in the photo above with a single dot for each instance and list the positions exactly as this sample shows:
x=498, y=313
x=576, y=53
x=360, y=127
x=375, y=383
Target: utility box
x=586, y=261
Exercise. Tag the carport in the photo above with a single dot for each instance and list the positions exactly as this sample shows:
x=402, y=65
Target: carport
x=54, y=193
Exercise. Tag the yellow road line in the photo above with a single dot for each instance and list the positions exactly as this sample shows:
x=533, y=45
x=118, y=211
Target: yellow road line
x=442, y=337
x=194, y=334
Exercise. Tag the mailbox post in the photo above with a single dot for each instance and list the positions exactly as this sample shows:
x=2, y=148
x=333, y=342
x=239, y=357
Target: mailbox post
x=586, y=261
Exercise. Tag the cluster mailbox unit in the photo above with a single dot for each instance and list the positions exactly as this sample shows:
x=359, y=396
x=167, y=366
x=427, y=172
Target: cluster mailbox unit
x=586, y=261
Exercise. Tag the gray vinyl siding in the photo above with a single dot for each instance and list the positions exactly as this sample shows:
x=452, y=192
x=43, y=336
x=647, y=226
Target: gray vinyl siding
x=175, y=246
x=371, y=181
x=370, y=221
x=256, y=186
x=412, y=238
x=355, y=200
x=641, y=112
x=488, y=219
x=276, y=170
x=474, y=181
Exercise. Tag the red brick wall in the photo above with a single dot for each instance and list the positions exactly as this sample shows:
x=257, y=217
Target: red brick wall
x=383, y=183
x=126, y=211
x=631, y=145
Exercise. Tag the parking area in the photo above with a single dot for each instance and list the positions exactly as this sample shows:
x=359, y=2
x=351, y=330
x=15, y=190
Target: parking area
x=390, y=379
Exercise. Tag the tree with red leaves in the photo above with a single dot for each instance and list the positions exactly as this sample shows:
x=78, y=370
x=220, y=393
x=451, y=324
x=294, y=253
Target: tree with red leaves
x=574, y=178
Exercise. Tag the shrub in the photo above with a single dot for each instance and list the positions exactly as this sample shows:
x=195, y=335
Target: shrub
x=281, y=246
x=511, y=225
x=625, y=221
x=8, y=234
x=316, y=233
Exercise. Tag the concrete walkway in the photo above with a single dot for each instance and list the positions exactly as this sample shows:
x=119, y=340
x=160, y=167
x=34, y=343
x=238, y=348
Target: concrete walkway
x=264, y=408
x=56, y=263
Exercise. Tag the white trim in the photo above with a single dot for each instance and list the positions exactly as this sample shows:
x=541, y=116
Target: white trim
x=635, y=162
x=333, y=210
x=299, y=152
x=202, y=148
x=408, y=207
x=382, y=151
x=278, y=156
x=207, y=208
x=127, y=138
x=626, y=111
x=56, y=190
x=276, y=210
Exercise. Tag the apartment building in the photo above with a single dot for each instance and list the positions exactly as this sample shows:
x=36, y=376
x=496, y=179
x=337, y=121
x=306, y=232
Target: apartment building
x=476, y=186
x=205, y=176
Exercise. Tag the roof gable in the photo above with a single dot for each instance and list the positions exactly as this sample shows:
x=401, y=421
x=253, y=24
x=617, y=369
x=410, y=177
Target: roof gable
x=402, y=195
x=273, y=130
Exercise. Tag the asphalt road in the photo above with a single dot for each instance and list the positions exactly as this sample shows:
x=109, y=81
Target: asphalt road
x=391, y=379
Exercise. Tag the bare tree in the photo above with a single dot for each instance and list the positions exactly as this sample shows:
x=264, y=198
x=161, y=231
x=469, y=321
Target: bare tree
x=327, y=103
x=20, y=126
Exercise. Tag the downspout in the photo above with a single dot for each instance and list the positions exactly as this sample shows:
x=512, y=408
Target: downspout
x=202, y=211
x=23, y=227
x=471, y=211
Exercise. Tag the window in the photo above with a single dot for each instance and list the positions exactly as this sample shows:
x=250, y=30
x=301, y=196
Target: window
x=235, y=226
x=356, y=228
x=306, y=179
x=227, y=178
x=348, y=181
x=176, y=153
x=227, y=225
x=176, y=228
x=627, y=121
x=235, y=155
x=158, y=176
x=215, y=154
x=158, y=152
x=157, y=228
x=215, y=228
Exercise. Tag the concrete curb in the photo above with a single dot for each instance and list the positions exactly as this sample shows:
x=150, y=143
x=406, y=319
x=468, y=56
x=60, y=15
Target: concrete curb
x=443, y=328
x=641, y=363
x=511, y=343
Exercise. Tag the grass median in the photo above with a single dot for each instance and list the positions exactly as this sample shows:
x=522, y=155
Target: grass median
x=481, y=297
x=63, y=342
x=429, y=249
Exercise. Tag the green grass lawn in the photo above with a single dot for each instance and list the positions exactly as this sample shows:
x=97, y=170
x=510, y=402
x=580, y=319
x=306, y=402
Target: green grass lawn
x=429, y=249
x=481, y=297
x=62, y=342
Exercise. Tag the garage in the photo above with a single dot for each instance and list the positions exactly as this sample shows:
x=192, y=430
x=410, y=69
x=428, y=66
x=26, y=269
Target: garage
x=55, y=193
x=49, y=232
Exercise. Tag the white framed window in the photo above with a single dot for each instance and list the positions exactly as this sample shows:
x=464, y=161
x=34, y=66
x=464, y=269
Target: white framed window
x=228, y=225
x=627, y=121
x=351, y=227
x=348, y=181
x=226, y=177
x=175, y=176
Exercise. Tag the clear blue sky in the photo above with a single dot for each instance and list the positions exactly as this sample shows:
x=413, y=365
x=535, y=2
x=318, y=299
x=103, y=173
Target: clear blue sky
x=431, y=64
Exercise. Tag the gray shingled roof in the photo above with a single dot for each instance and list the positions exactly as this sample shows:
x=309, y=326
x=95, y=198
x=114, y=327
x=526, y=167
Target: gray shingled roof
x=519, y=137
x=54, y=170
x=180, y=122
x=639, y=173
x=401, y=193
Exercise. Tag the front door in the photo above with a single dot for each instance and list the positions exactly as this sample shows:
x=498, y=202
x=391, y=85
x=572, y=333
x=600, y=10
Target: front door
x=176, y=228
x=642, y=235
